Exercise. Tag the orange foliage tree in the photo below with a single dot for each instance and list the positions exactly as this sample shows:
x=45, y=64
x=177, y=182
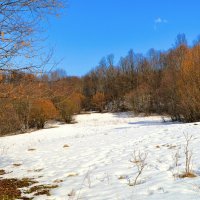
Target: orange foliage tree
x=189, y=85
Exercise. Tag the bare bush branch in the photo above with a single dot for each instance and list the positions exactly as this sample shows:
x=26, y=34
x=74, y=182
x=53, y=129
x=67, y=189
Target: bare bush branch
x=139, y=161
x=188, y=154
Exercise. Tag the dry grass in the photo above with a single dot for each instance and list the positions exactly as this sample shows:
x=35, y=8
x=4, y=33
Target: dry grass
x=38, y=170
x=31, y=149
x=58, y=181
x=17, y=164
x=2, y=172
x=41, y=190
x=187, y=175
x=65, y=146
x=122, y=177
x=169, y=146
x=72, y=174
x=10, y=188
x=35, y=170
x=172, y=147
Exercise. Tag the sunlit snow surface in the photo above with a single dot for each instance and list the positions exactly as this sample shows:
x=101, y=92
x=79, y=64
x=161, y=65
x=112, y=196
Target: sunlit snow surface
x=99, y=153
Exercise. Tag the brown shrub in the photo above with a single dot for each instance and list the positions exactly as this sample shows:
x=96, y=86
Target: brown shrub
x=67, y=109
x=99, y=101
x=68, y=106
x=140, y=100
x=9, y=121
x=77, y=99
x=41, y=111
x=22, y=108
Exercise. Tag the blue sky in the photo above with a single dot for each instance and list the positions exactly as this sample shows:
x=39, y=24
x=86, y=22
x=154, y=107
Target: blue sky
x=90, y=29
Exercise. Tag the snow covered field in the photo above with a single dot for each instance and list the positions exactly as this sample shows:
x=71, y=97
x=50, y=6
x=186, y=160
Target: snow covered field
x=91, y=159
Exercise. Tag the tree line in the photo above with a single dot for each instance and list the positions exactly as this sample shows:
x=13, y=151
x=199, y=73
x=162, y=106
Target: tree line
x=165, y=83
x=28, y=101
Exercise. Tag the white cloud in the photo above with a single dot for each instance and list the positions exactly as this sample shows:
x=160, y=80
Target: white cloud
x=158, y=21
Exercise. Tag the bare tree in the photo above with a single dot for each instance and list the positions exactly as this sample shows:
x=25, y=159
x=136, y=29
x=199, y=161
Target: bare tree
x=19, y=22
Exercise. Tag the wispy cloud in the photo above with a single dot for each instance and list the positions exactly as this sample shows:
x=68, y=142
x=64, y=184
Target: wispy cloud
x=158, y=21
